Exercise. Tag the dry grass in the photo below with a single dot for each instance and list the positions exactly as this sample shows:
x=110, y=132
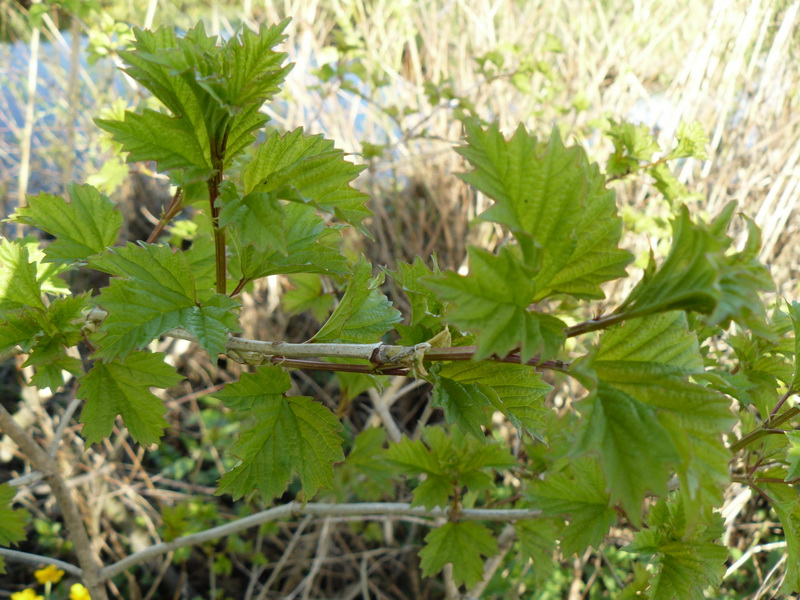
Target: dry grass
x=731, y=65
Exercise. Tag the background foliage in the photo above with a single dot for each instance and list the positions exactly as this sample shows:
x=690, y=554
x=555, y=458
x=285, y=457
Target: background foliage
x=389, y=82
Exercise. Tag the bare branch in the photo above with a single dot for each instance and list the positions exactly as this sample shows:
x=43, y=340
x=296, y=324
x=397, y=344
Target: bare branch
x=38, y=560
x=296, y=509
x=76, y=530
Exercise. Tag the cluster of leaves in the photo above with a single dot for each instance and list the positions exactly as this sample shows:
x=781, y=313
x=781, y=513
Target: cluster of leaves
x=657, y=406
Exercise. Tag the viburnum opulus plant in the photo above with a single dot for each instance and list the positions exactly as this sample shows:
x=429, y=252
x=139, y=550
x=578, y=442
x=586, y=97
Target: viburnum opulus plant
x=686, y=359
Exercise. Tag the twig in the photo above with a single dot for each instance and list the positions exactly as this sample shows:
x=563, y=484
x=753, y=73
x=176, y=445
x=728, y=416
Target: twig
x=89, y=561
x=319, y=556
x=382, y=402
x=62, y=426
x=37, y=559
x=362, y=509
x=750, y=552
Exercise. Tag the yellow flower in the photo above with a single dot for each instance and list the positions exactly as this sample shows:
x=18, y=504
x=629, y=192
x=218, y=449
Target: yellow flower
x=78, y=592
x=50, y=574
x=26, y=594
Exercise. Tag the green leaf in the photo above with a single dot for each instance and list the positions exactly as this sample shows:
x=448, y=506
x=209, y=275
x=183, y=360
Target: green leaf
x=287, y=434
x=19, y=288
x=256, y=71
x=687, y=561
x=554, y=194
x=793, y=455
x=365, y=472
x=62, y=331
x=307, y=169
x=786, y=505
x=465, y=389
x=663, y=338
x=579, y=492
x=258, y=218
x=84, y=226
x=174, y=143
x=12, y=521
x=308, y=294
x=493, y=300
x=363, y=314
x=308, y=246
x=635, y=448
x=537, y=541
x=154, y=292
x=447, y=460
x=463, y=405
x=698, y=275
x=19, y=327
x=214, y=93
x=123, y=388
x=794, y=315
x=426, y=309
x=462, y=545
x=692, y=141
x=646, y=420
x=632, y=144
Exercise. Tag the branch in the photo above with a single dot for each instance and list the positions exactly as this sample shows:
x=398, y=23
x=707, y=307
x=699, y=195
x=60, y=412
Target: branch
x=38, y=559
x=295, y=509
x=386, y=359
x=76, y=530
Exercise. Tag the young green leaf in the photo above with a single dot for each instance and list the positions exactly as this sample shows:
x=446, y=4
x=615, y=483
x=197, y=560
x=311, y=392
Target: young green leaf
x=493, y=300
x=61, y=330
x=692, y=141
x=154, y=292
x=214, y=93
x=698, y=275
x=123, y=388
x=363, y=314
x=84, y=226
x=687, y=560
x=462, y=545
x=579, y=492
x=632, y=144
x=426, y=310
x=447, y=461
x=288, y=434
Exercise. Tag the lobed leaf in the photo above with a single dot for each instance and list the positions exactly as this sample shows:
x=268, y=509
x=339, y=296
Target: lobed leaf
x=123, y=388
x=461, y=544
x=307, y=169
x=84, y=226
x=552, y=193
x=363, y=314
x=153, y=293
x=288, y=434
x=579, y=492
x=493, y=300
